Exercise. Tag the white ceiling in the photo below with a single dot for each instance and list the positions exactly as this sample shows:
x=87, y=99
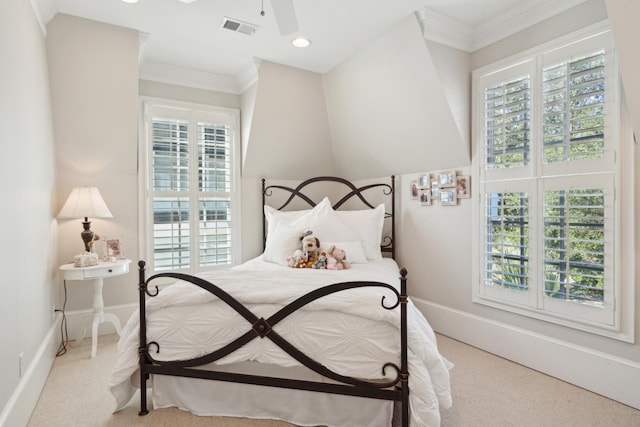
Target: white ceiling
x=190, y=36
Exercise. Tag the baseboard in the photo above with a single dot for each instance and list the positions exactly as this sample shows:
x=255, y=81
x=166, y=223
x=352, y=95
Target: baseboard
x=610, y=376
x=20, y=406
x=77, y=320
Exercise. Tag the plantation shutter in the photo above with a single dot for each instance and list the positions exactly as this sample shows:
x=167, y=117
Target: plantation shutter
x=574, y=245
x=547, y=183
x=506, y=240
x=507, y=123
x=573, y=100
x=214, y=201
x=170, y=183
x=191, y=183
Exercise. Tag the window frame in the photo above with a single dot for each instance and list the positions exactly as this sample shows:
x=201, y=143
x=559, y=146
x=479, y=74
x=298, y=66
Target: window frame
x=535, y=177
x=191, y=112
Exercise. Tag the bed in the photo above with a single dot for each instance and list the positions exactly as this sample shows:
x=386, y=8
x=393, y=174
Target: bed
x=304, y=345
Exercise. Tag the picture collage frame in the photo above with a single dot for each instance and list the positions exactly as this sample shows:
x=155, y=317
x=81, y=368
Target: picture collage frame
x=444, y=187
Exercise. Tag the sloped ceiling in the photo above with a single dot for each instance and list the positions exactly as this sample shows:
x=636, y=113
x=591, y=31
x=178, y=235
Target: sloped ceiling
x=383, y=111
x=388, y=110
x=289, y=133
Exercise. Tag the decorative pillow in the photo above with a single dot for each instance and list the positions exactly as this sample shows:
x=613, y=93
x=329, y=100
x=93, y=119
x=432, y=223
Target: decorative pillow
x=353, y=249
x=275, y=216
x=367, y=224
x=282, y=242
x=327, y=226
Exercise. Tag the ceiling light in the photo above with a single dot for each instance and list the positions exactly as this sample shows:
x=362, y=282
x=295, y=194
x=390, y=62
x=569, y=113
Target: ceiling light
x=300, y=42
x=130, y=1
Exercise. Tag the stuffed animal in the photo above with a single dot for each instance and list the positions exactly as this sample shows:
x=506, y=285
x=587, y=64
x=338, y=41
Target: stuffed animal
x=296, y=260
x=337, y=259
x=321, y=263
x=310, y=248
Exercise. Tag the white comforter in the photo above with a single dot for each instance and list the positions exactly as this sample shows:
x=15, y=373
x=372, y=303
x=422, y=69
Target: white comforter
x=190, y=326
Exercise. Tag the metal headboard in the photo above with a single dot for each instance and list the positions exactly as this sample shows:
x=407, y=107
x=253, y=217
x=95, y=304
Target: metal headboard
x=351, y=193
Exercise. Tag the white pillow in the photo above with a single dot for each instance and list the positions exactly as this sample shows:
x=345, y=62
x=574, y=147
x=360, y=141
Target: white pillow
x=275, y=216
x=367, y=224
x=327, y=226
x=353, y=249
x=282, y=242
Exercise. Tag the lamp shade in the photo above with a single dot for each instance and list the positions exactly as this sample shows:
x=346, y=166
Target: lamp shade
x=85, y=202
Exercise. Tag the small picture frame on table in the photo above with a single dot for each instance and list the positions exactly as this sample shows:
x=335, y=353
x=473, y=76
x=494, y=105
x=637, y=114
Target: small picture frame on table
x=112, y=248
x=448, y=197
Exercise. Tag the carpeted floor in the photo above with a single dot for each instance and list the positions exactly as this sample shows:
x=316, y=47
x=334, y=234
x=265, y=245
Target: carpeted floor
x=487, y=391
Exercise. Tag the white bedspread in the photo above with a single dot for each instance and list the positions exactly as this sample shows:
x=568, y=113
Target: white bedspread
x=188, y=322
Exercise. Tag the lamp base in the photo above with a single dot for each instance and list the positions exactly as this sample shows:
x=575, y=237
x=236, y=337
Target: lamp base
x=87, y=235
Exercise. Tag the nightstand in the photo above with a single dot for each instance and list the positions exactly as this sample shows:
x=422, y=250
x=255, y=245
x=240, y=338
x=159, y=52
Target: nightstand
x=97, y=273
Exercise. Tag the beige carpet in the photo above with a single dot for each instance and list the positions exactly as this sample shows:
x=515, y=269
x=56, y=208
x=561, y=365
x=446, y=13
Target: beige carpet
x=487, y=391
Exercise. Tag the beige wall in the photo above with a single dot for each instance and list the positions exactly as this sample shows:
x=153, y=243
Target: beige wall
x=623, y=15
x=94, y=94
x=289, y=132
x=28, y=251
x=388, y=109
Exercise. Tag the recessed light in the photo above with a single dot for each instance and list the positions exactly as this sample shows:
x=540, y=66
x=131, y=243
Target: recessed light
x=130, y=1
x=300, y=42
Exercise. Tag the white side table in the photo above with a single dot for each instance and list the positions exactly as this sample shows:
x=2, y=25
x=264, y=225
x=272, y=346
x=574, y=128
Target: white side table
x=97, y=273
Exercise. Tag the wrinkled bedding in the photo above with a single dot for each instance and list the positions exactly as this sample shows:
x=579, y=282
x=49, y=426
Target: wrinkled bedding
x=348, y=332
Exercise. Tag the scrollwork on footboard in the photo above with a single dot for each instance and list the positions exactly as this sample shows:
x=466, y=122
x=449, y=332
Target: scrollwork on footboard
x=395, y=389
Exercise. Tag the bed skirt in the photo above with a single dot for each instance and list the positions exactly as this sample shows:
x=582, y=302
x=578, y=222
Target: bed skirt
x=302, y=408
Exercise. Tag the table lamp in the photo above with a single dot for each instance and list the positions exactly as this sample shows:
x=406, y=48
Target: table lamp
x=85, y=202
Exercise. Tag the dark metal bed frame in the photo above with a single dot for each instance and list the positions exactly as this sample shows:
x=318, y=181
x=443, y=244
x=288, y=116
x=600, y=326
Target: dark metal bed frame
x=396, y=389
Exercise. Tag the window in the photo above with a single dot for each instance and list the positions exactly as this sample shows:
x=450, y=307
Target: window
x=190, y=187
x=547, y=130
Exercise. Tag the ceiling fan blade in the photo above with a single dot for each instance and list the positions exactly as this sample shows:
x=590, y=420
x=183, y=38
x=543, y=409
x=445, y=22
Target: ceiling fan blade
x=285, y=15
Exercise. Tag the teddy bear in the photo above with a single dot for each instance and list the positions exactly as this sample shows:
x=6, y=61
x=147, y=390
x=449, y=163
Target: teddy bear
x=310, y=248
x=321, y=263
x=337, y=259
x=296, y=260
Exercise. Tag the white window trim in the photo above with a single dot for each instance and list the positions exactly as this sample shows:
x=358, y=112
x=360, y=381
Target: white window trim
x=622, y=325
x=143, y=175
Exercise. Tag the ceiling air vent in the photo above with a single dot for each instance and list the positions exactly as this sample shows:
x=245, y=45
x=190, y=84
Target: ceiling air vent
x=239, y=26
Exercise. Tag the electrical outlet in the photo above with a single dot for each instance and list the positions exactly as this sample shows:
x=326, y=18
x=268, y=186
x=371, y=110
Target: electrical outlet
x=20, y=364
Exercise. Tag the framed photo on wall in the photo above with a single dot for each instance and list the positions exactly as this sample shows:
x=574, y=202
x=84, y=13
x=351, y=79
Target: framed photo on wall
x=414, y=190
x=425, y=197
x=448, y=197
x=425, y=181
x=447, y=179
x=463, y=187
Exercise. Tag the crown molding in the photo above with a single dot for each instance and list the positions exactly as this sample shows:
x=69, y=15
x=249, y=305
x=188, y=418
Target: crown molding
x=142, y=39
x=172, y=74
x=248, y=75
x=447, y=31
x=517, y=19
x=444, y=30
x=44, y=10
